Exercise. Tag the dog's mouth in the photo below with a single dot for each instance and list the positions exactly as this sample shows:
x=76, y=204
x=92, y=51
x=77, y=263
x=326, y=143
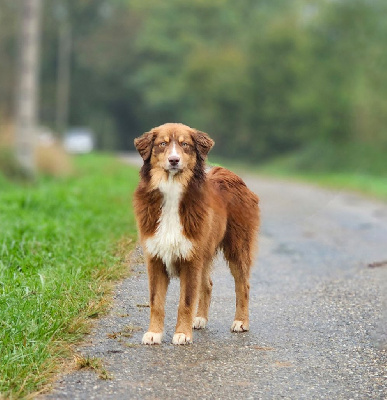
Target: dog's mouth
x=173, y=169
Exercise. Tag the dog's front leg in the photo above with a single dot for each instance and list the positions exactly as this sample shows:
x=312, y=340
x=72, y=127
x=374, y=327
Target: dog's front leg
x=158, y=285
x=190, y=276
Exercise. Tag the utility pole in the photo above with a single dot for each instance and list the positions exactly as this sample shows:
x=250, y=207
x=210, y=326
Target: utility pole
x=64, y=67
x=27, y=91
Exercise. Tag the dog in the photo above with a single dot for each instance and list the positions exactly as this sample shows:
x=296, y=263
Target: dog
x=185, y=214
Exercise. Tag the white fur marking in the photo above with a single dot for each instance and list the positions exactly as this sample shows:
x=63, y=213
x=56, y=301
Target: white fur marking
x=181, y=338
x=239, y=326
x=199, y=323
x=152, y=338
x=174, y=152
x=168, y=242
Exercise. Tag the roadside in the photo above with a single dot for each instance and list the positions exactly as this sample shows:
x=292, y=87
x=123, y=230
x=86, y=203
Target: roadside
x=318, y=323
x=63, y=241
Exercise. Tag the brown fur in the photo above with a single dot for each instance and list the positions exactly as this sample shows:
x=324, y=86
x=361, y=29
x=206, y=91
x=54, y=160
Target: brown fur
x=216, y=210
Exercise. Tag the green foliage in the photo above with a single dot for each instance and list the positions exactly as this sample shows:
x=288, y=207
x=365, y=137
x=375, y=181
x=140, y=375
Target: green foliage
x=57, y=248
x=264, y=78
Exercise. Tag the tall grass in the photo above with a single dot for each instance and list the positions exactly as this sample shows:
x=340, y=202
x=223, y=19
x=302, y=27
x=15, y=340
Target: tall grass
x=8, y=162
x=50, y=156
x=58, y=248
x=355, y=166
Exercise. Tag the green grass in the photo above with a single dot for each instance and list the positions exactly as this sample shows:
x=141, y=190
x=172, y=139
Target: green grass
x=355, y=168
x=367, y=184
x=61, y=242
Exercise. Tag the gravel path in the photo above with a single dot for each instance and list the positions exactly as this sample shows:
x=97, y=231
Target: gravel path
x=317, y=323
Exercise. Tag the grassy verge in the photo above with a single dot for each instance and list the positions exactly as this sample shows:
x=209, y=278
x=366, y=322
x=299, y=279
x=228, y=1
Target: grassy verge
x=61, y=242
x=354, y=168
x=367, y=184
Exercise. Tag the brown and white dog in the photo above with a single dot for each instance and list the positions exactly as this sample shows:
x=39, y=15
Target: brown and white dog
x=184, y=215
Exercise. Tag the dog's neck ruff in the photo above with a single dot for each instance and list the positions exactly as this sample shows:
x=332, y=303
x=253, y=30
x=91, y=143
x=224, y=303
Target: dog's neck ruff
x=169, y=243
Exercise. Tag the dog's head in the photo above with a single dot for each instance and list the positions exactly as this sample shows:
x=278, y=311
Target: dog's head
x=173, y=147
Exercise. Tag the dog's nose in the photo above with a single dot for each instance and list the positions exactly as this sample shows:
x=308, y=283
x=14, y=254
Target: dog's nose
x=173, y=160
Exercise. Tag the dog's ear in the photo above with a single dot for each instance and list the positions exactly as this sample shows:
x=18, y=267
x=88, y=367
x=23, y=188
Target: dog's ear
x=203, y=142
x=144, y=144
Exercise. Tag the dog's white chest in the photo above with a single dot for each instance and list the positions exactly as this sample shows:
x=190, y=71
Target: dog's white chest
x=168, y=242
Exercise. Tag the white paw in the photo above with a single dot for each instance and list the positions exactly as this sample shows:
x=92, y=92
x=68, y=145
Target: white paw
x=199, y=323
x=181, y=338
x=152, y=338
x=239, y=326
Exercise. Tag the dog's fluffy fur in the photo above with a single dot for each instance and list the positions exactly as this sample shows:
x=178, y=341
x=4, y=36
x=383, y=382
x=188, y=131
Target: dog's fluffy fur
x=184, y=215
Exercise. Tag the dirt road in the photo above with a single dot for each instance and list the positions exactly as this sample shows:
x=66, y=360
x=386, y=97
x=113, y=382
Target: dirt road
x=318, y=314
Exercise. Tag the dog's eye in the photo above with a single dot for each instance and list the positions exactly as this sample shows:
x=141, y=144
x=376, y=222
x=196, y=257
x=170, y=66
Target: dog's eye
x=185, y=144
x=163, y=144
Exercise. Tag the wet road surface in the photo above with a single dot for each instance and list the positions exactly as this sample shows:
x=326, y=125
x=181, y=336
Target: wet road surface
x=317, y=315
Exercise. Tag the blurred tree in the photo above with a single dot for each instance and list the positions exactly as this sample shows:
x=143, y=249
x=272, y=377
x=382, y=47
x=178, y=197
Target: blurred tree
x=263, y=77
x=8, y=55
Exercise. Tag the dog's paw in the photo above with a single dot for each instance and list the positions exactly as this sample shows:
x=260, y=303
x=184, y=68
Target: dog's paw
x=181, y=338
x=239, y=326
x=152, y=338
x=199, y=323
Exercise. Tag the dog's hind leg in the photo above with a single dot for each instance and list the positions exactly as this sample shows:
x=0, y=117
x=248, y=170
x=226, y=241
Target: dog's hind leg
x=239, y=245
x=201, y=319
x=242, y=291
